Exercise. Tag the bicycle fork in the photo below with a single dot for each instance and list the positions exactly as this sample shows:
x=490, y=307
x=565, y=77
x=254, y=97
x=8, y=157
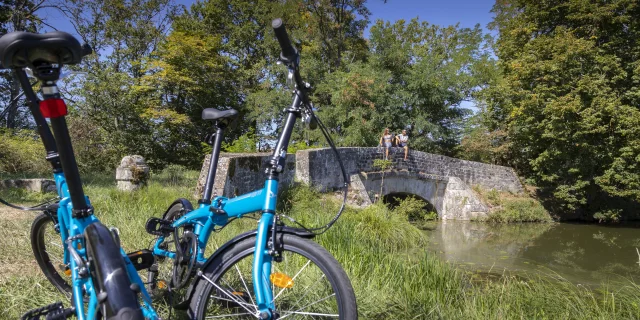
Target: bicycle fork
x=262, y=258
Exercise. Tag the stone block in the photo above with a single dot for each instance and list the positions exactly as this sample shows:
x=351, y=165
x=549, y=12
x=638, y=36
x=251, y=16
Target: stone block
x=132, y=174
x=33, y=185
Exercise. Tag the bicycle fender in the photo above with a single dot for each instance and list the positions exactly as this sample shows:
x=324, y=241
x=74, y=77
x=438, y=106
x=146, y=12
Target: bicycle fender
x=220, y=251
x=110, y=274
x=185, y=204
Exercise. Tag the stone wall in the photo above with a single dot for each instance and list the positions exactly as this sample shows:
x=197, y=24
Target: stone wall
x=240, y=173
x=443, y=181
x=320, y=167
x=34, y=185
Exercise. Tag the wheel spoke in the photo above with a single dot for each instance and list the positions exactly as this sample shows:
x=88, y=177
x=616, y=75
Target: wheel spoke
x=306, y=291
x=231, y=296
x=294, y=278
x=229, y=315
x=310, y=304
x=245, y=287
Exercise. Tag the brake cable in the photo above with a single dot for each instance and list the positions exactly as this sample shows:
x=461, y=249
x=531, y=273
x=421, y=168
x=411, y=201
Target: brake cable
x=320, y=230
x=39, y=207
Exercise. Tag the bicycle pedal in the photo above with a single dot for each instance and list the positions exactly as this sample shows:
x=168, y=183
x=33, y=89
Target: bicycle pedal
x=54, y=311
x=141, y=259
x=158, y=227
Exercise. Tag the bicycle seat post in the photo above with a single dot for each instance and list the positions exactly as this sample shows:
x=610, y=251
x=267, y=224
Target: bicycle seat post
x=213, y=163
x=54, y=108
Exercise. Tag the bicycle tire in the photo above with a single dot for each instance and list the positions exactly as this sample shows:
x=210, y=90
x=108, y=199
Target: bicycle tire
x=234, y=298
x=117, y=297
x=47, y=249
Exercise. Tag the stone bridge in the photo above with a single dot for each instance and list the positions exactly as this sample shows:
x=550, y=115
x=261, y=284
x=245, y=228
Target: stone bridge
x=445, y=182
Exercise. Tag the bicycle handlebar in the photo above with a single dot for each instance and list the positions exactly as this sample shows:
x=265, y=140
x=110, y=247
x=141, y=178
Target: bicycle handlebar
x=288, y=51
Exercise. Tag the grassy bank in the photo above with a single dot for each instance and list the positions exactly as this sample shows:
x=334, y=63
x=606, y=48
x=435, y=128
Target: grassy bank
x=506, y=207
x=376, y=246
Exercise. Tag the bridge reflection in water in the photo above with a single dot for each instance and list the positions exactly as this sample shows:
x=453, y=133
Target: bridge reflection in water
x=581, y=253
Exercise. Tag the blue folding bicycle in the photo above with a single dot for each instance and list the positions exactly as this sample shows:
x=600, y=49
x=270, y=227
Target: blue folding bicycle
x=274, y=272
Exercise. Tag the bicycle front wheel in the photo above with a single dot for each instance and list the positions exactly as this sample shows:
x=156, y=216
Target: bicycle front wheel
x=307, y=283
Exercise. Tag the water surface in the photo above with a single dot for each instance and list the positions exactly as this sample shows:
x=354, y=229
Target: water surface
x=581, y=253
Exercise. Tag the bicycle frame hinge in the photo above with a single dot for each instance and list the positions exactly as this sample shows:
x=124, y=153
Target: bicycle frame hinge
x=82, y=213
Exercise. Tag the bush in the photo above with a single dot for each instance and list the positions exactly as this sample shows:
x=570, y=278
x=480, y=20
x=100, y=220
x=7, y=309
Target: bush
x=22, y=152
x=506, y=207
x=414, y=209
x=94, y=152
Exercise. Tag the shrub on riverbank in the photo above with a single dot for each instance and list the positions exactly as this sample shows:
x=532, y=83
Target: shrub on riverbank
x=381, y=251
x=505, y=207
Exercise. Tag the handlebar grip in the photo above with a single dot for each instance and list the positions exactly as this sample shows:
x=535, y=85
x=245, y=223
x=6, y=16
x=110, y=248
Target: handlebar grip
x=288, y=51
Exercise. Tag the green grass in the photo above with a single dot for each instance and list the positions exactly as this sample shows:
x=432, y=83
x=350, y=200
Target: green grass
x=381, y=251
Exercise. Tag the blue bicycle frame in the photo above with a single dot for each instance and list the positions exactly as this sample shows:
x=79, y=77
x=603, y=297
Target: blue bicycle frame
x=73, y=228
x=204, y=221
x=218, y=212
x=74, y=213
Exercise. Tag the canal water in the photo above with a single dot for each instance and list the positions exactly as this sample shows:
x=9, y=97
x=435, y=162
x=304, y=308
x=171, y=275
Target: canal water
x=586, y=254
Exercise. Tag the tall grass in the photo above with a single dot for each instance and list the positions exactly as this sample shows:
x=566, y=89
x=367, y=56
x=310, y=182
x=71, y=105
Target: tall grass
x=381, y=251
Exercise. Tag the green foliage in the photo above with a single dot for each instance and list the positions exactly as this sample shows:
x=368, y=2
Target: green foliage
x=245, y=143
x=519, y=210
x=610, y=215
x=22, y=152
x=413, y=209
x=567, y=102
x=505, y=207
x=382, y=164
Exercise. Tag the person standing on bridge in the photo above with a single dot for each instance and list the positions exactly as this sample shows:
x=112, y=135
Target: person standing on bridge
x=402, y=140
x=385, y=141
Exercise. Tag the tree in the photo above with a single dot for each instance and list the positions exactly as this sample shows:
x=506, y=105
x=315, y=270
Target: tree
x=16, y=15
x=569, y=100
x=113, y=96
x=416, y=77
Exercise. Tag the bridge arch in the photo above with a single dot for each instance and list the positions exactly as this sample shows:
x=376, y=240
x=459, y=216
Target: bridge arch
x=393, y=199
x=450, y=197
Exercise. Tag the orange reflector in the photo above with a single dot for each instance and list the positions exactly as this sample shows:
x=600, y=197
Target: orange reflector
x=238, y=293
x=79, y=245
x=281, y=280
x=162, y=284
x=67, y=272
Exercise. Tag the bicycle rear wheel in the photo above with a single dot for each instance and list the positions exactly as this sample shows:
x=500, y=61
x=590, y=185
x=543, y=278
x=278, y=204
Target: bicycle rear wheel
x=117, y=298
x=307, y=283
x=49, y=253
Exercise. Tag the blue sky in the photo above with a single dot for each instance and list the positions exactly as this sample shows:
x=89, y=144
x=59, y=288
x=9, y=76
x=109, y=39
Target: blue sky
x=441, y=12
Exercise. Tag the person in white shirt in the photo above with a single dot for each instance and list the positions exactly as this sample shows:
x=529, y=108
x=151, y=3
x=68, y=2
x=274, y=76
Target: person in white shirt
x=402, y=140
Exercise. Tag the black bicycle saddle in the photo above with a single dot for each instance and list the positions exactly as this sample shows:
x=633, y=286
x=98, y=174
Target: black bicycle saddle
x=214, y=114
x=25, y=49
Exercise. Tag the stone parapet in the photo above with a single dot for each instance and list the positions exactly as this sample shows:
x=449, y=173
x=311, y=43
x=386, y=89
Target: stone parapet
x=320, y=166
x=33, y=185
